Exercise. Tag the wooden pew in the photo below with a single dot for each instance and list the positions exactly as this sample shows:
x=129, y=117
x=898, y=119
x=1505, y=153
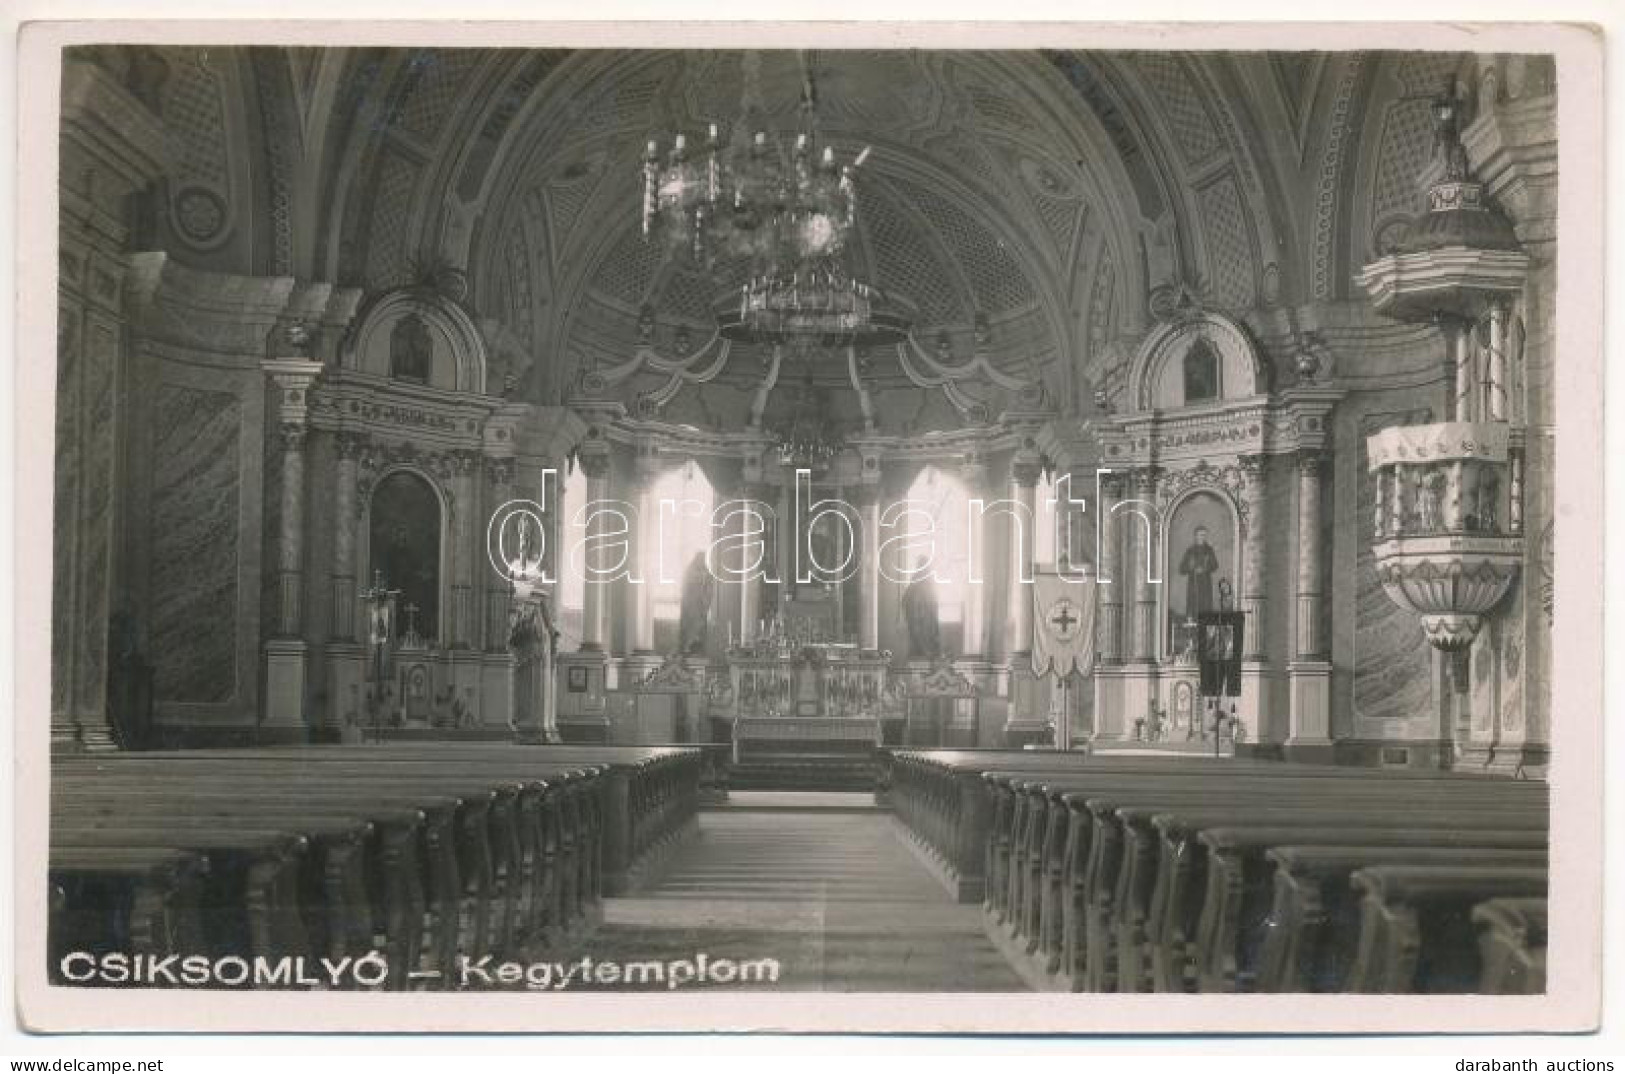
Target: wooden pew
x=1043, y=863
x=1311, y=937
x=1237, y=911
x=133, y=899
x=517, y=845
x=1044, y=854
x=1406, y=907
x=1512, y=946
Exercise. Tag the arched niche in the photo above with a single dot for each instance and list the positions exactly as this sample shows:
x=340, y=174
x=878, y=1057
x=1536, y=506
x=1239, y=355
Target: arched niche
x=1204, y=350
x=417, y=336
x=405, y=547
x=1197, y=581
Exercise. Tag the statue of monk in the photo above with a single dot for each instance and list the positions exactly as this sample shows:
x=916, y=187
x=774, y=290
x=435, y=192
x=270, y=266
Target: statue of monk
x=693, y=623
x=921, y=617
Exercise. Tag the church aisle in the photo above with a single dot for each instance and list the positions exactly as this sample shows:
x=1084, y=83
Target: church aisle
x=832, y=894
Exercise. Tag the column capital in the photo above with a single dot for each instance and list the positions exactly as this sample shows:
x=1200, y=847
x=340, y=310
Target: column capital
x=1145, y=478
x=1252, y=466
x=1025, y=471
x=351, y=445
x=594, y=461
x=864, y=495
x=1311, y=461
x=293, y=435
x=499, y=471
x=647, y=461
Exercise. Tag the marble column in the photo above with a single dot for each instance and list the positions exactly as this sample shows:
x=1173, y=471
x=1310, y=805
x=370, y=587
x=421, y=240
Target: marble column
x=1112, y=582
x=291, y=535
x=1142, y=561
x=347, y=448
x=595, y=593
x=1310, y=672
x=756, y=496
x=1309, y=644
x=1459, y=341
x=1023, y=484
x=866, y=498
x=974, y=475
x=1495, y=387
x=1027, y=721
x=112, y=145
x=1252, y=557
x=499, y=475
x=1108, y=680
x=644, y=556
x=467, y=551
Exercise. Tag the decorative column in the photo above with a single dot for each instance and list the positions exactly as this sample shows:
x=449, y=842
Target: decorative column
x=1111, y=587
x=113, y=145
x=866, y=498
x=1139, y=672
x=1142, y=560
x=643, y=555
x=291, y=533
x=498, y=594
x=1309, y=672
x=1495, y=386
x=1109, y=672
x=467, y=552
x=973, y=472
x=1027, y=721
x=594, y=602
x=1309, y=554
x=347, y=449
x=1252, y=556
x=755, y=494
x=1458, y=342
x=287, y=652
x=1023, y=484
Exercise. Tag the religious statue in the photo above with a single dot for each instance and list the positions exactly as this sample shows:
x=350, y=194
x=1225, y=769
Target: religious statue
x=920, y=615
x=410, y=349
x=694, y=619
x=520, y=567
x=1201, y=370
x=1447, y=133
x=1227, y=596
x=1197, y=565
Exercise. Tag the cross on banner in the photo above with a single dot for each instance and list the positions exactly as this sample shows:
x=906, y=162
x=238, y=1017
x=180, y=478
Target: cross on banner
x=1064, y=615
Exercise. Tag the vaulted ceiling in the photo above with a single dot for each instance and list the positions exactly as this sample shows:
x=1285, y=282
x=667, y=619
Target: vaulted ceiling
x=1056, y=193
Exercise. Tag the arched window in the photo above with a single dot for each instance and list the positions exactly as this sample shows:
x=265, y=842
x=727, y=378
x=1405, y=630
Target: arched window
x=411, y=349
x=404, y=546
x=942, y=496
x=1045, y=533
x=573, y=576
x=682, y=500
x=1201, y=372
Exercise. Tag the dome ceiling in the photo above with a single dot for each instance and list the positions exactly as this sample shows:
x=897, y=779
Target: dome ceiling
x=972, y=203
x=1051, y=193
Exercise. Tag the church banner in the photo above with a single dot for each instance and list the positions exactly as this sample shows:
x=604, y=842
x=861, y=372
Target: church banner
x=1221, y=648
x=1063, y=626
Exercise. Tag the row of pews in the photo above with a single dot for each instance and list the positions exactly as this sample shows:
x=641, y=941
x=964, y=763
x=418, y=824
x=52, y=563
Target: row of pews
x=1139, y=874
x=425, y=853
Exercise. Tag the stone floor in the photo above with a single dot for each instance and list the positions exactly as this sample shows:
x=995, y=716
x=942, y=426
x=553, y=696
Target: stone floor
x=821, y=883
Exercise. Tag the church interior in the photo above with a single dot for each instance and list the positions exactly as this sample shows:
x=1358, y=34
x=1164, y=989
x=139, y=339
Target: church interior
x=902, y=520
